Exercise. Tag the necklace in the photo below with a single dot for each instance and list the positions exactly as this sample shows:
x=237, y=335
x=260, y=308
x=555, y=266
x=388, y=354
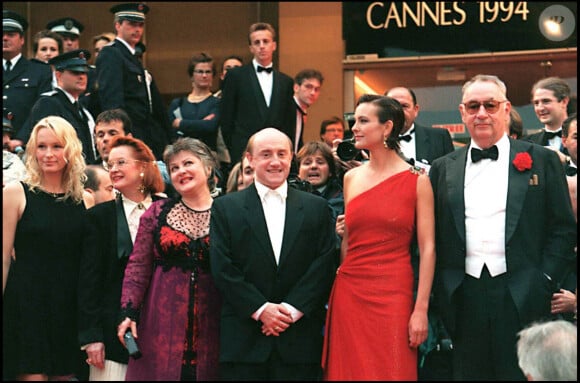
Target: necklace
x=194, y=98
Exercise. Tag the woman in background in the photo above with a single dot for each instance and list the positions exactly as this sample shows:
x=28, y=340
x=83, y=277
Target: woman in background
x=42, y=236
x=46, y=45
x=197, y=114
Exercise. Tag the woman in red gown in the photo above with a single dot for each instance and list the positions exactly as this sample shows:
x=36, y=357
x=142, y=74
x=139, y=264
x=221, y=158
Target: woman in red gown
x=374, y=325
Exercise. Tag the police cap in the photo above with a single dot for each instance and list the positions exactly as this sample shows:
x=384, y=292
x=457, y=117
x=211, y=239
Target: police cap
x=130, y=11
x=13, y=22
x=7, y=122
x=66, y=25
x=75, y=61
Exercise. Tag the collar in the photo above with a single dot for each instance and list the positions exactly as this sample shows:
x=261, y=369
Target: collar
x=255, y=64
x=263, y=189
x=13, y=60
x=552, y=131
x=67, y=94
x=131, y=49
x=300, y=108
x=129, y=205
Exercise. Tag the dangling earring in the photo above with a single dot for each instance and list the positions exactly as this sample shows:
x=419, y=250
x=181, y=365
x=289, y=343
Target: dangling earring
x=385, y=143
x=142, y=186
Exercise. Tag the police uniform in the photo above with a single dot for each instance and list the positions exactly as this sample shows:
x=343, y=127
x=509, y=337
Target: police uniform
x=122, y=82
x=66, y=26
x=59, y=103
x=13, y=168
x=26, y=81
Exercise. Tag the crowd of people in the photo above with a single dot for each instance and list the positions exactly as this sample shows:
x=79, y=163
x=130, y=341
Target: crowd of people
x=207, y=240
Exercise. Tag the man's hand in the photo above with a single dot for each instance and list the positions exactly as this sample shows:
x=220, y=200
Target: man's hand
x=275, y=319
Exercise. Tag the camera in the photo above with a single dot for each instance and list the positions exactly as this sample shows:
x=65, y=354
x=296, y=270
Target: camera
x=346, y=150
x=131, y=345
x=299, y=184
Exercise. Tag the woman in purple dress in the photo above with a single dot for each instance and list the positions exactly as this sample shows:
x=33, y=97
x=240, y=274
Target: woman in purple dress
x=169, y=301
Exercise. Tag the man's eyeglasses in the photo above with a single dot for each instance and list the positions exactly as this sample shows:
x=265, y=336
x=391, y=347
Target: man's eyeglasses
x=491, y=106
x=199, y=71
x=119, y=163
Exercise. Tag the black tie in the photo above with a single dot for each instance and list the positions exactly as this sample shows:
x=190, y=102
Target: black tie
x=79, y=110
x=262, y=69
x=8, y=66
x=406, y=137
x=550, y=135
x=571, y=171
x=477, y=154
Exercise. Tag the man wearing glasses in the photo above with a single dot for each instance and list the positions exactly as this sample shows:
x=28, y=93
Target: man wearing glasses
x=505, y=233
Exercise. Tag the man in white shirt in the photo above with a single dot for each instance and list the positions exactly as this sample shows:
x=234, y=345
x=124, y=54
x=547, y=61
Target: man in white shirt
x=272, y=257
x=505, y=235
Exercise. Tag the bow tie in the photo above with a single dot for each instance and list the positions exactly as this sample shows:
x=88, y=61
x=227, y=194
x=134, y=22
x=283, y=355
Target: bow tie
x=262, y=69
x=551, y=135
x=571, y=171
x=477, y=154
x=406, y=137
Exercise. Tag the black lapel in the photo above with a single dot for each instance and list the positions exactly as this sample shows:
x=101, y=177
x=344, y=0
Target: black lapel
x=124, y=243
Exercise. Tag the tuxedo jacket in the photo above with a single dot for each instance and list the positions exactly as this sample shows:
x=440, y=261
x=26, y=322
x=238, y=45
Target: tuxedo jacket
x=22, y=86
x=56, y=103
x=246, y=273
x=121, y=83
x=431, y=143
x=244, y=110
x=540, y=230
x=541, y=138
x=106, y=250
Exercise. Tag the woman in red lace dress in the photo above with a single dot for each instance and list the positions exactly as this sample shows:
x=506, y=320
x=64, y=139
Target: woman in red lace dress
x=374, y=325
x=169, y=300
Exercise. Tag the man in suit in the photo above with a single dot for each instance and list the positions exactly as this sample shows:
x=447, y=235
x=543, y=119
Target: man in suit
x=256, y=96
x=420, y=143
x=71, y=70
x=122, y=82
x=307, y=86
x=271, y=254
x=23, y=81
x=550, y=97
x=504, y=234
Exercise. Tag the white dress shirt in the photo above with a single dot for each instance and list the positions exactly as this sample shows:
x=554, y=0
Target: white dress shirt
x=485, y=188
x=266, y=81
x=408, y=148
x=133, y=212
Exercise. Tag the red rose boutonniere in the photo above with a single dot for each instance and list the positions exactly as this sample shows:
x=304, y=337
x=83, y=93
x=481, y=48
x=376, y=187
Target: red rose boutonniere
x=523, y=161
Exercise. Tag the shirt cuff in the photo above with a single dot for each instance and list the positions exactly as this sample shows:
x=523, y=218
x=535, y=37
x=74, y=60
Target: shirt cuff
x=294, y=313
x=258, y=312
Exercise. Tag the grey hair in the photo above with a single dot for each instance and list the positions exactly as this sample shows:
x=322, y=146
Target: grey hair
x=485, y=78
x=198, y=149
x=548, y=350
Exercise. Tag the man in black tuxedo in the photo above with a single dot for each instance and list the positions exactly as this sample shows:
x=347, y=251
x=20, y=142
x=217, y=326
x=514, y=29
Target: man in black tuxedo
x=550, y=97
x=272, y=257
x=71, y=70
x=420, y=143
x=122, y=82
x=23, y=81
x=256, y=96
x=504, y=234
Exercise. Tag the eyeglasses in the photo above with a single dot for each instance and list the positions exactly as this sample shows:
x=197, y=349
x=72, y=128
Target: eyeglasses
x=119, y=163
x=491, y=106
x=199, y=71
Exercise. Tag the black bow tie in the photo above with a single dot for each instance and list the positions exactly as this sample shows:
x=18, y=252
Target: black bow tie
x=551, y=135
x=571, y=171
x=477, y=154
x=406, y=137
x=262, y=69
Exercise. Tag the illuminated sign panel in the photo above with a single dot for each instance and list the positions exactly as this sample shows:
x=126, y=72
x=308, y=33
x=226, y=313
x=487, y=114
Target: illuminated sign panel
x=423, y=28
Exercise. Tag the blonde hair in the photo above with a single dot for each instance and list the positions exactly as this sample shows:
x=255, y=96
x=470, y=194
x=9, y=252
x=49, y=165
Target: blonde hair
x=73, y=177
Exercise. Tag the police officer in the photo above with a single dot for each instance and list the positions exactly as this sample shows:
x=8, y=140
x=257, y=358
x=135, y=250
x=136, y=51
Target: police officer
x=23, y=81
x=122, y=82
x=69, y=29
x=71, y=70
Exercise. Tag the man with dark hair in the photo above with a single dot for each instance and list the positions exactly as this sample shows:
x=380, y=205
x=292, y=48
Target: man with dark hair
x=256, y=96
x=332, y=129
x=98, y=184
x=23, y=81
x=307, y=86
